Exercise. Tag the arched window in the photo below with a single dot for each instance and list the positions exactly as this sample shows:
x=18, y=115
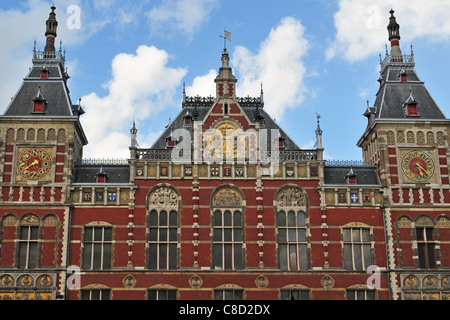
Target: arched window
x=163, y=228
x=292, y=228
x=426, y=245
x=228, y=229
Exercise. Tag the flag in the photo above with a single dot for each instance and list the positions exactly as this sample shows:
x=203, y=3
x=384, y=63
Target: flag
x=227, y=35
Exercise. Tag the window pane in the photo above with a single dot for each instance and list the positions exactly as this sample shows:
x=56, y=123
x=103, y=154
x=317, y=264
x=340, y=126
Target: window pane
x=218, y=256
x=237, y=256
x=357, y=256
x=301, y=234
x=360, y=295
x=371, y=295
x=348, y=264
x=283, y=257
x=281, y=219
x=367, y=256
x=291, y=219
x=85, y=295
x=282, y=235
x=228, y=294
x=217, y=234
x=172, y=295
x=227, y=234
x=34, y=233
x=97, y=256
x=173, y=219
x=172, y=256
x=162, y=294
x=87, y=256
x=106, y=294
x=108, y=234
x=284, y=295
x=153, y=256
x=218, y=295
x=107, y=256
x=237, y=234
x=429, y=234
x=305, y=295
x=23, y=255
x=173, y=234
x=98, y=234
x=292, y=235
x=237, y=219
x=88, y=234
x=293, y=257
x=366, y=235
x=419, y=233
x=163, y=256
x=355, y=235
x=24, y=233
x=151, y=294
x=238, y=295
x=217, y=218
x=346, y=235
x=430, y=251
x=163, y=218
x=294, y=295
x=350, y=295
x=421, y=249
x=162, y=234
x=153, y=218
x=154, y=234
x=227, y=219
x=228, y=257
x=301, y=219
x=302, y=257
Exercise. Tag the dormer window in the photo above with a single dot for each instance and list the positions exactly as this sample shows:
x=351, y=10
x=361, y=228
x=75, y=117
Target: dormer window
x=403, y=76
x=187, y=120
x=44, y=73
x=412, y=110
x=225, y=108
x=39, y=103
x=101, y=176
x=171, y=141
x=351, y=177
x=281, y=143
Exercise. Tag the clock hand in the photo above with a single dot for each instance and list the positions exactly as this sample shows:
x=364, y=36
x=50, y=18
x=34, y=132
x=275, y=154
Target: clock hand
x=35, y=162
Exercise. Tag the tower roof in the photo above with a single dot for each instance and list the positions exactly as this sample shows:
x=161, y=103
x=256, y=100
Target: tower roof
x=49, y=78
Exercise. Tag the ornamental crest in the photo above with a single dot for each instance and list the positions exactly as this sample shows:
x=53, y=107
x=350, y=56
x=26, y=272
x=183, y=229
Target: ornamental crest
x=227, y=198
x=164, y=197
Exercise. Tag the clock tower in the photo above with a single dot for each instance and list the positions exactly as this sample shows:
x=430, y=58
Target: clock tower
x=407, y=138
x=41, y=139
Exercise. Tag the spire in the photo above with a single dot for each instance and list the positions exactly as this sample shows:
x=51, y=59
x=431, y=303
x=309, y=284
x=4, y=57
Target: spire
x=394, y=38
x=50, y=33
x=225, y=81
x=319, y=133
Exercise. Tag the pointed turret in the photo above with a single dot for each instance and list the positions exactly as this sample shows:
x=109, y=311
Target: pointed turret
x=51, y=33
x=394, y=38
x=225, y=81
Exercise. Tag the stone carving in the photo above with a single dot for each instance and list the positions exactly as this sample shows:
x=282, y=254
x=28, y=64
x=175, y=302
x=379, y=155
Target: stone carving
x=291, y=197
x=227, y=198
x=163, y=197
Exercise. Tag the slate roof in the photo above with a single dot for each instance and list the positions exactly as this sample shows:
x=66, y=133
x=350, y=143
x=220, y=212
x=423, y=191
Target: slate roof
x=365, y=175
x=393, y=94
x=53, y=89
x=87, y=174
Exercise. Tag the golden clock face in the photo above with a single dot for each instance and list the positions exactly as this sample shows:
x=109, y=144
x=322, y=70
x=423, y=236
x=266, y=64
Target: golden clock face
x=34, y=164
x=418, y=166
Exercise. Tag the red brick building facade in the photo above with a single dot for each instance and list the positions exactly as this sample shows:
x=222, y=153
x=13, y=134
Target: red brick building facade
x=224, y=205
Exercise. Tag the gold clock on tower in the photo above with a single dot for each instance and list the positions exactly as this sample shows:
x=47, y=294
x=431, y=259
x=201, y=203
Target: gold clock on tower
x=418, y=165
x=34, y=163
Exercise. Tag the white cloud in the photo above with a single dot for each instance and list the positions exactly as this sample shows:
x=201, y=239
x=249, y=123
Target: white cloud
x=184, y=16
x=142, y=85
x=278, y=65
x=361, y=25
x=203, y=86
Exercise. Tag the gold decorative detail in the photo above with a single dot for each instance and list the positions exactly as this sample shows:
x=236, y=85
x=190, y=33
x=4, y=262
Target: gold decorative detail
x=227, y=198
x=25, y=281
x=443, y=222
x=446, y=281
x=440, y=139
x=45, y=281
x=400, y=137
x=390, y=138
x=10, y=221
x=30, y=218
x=429, y=281
x=6, y=280
x=411, y=281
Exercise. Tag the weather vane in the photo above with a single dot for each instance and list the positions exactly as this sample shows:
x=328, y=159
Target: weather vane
x=226, y=36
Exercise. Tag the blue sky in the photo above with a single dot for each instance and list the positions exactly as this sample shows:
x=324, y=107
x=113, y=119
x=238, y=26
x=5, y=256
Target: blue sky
x=129, y=59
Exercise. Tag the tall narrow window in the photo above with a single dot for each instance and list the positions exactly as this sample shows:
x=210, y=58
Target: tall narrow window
x=426, y=247
x=28, y=247
x=97, y=248
x=292, y=240
x=228, y=240
x=163, y=240
x=357, y=248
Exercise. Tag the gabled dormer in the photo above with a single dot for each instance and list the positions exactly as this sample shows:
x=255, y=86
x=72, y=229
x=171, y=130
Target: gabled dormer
x=39, y=103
